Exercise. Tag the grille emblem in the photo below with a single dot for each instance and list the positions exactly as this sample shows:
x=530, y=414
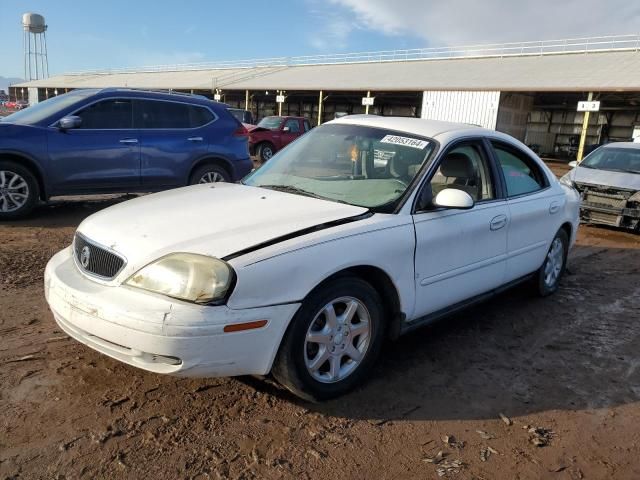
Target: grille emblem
x=85, y=254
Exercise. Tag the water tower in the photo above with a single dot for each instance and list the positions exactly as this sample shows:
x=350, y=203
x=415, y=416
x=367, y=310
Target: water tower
x=36, y=64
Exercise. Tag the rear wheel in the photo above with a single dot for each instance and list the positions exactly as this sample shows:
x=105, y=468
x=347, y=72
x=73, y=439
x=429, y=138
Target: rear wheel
x=548, y=278
x=19, y=190
x=210, y=173
x=333, y=340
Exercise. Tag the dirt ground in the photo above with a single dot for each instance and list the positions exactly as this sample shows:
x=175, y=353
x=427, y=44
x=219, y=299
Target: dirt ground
x=567, y=365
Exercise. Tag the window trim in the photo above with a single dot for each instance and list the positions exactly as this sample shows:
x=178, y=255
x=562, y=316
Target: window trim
x=514, y=149
x=134, y=98
x=489, y=158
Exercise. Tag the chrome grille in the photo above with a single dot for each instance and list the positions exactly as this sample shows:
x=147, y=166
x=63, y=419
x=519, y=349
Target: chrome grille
x=96, y=260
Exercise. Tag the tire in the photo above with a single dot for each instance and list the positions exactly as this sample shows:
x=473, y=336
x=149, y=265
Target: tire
x=300, y=364
x=19, y=191
x=266, y=150
x=548, y=277
x=209, y=173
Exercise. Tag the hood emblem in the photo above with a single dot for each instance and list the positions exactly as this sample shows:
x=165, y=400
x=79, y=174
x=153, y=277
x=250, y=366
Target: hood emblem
x=85, y=255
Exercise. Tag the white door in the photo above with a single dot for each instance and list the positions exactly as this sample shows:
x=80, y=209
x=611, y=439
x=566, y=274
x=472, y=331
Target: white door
x=533, y=206
x=461, y=253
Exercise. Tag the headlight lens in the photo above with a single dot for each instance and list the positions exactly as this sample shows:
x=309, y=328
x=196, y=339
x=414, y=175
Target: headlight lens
x=187, y=276
x=566, y=180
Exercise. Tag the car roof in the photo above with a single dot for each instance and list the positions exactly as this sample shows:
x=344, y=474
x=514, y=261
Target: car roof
x=160, y=94
x=416, y=126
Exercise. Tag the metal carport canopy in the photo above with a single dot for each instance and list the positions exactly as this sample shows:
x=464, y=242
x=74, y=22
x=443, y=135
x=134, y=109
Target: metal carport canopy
x=594, y=71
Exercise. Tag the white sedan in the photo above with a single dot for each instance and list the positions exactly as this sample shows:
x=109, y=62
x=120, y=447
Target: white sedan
x=363, y=229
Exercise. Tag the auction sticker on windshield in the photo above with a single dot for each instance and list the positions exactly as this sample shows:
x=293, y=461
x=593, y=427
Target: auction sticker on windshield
x=406, y=141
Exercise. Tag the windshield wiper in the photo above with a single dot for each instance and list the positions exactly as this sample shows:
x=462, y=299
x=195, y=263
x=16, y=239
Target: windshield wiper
x=300, y=191
x=292, y=189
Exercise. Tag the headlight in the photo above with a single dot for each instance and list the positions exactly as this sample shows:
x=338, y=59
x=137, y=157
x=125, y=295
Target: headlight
x=566, y=180
x=187, y=276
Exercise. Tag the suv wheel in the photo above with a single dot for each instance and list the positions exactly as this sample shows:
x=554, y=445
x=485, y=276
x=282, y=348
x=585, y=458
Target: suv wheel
x=333, y=340
x=266, y=151
x=209, y=174
x=19, y=191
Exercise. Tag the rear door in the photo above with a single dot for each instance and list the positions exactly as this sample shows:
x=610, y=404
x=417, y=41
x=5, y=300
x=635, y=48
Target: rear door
x=534, y=209
x=103, y=153
x=173, y=136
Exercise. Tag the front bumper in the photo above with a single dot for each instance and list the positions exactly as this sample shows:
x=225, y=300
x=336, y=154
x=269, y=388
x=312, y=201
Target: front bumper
x=160, y=334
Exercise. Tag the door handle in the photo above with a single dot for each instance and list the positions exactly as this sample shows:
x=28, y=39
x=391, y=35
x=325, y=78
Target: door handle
x=195, y=139
x=129, y=141
x=554, y=207
x=498, y=222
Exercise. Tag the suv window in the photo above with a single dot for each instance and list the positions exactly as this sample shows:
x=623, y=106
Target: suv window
x=107, y=115
x=307, y=126
x=161, y=114
x=294, y=125
x=521, y=174
x=465, y=168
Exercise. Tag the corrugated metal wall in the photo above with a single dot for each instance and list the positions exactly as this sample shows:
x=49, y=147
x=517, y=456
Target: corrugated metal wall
x=478, y=108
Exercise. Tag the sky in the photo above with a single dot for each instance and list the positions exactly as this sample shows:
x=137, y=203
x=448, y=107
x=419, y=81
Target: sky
x=92, y=34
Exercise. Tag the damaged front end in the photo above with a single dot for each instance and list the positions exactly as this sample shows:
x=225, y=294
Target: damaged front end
x=611, y=206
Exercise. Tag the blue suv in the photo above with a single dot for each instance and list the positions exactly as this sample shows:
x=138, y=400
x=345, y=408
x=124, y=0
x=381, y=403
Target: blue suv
x=116, y=140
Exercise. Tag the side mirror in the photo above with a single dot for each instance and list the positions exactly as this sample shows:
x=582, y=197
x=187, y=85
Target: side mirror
x=286, y=129
x=573, y=164
x=454, y=198
x=70, y=122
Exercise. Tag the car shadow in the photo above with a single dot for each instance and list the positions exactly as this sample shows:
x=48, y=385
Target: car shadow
x=514, y=354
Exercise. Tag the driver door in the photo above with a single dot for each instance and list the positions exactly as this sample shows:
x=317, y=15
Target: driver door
x=460, y=253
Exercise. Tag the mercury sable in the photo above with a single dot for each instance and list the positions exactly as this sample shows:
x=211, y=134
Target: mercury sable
x=363, y=229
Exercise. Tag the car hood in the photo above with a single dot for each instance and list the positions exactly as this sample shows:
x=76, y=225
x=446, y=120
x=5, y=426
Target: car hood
x=592, y=176
x=210, y=219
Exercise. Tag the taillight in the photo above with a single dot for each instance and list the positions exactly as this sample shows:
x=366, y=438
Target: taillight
x=241, y=131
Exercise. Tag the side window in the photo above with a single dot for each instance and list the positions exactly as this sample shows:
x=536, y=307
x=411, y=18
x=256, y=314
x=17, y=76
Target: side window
x=199, y=116
x=465, y=168
x=307, y=126
x=294, y=125
x=107, y=115
x=170, y=115
x=520, y=172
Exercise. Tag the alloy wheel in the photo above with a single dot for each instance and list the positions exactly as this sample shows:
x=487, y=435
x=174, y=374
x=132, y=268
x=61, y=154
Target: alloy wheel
x=553, y=265
x=211, y=177
x=337, y=340
x=14, y=191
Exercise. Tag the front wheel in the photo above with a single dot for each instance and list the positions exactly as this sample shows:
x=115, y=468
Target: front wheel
x=333, y=340
x=548, y=277
x=19, y=191
x=266, y=151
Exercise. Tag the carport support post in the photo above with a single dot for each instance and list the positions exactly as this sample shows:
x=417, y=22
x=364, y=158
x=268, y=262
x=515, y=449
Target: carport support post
x=320, y=107
x=366, y=107
x=246, y=99
x=583, y=134
x=279, y=104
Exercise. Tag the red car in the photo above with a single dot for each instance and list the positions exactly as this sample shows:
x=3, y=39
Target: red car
x=273, y=133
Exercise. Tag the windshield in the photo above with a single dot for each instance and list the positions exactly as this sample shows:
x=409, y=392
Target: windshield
x=42, y=110
x=272, y=123
x=614, y=159
x=363, y=166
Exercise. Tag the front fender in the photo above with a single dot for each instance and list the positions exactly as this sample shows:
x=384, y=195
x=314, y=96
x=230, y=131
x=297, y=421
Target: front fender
x=287, y=272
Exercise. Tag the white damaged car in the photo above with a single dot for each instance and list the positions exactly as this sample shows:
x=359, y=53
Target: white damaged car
x=363, y=229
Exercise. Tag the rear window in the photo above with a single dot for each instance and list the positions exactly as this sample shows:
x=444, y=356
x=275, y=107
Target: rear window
x=521, y=174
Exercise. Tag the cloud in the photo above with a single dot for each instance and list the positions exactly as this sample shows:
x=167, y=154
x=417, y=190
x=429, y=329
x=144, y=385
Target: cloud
x=451, y=22
x=332, y=28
